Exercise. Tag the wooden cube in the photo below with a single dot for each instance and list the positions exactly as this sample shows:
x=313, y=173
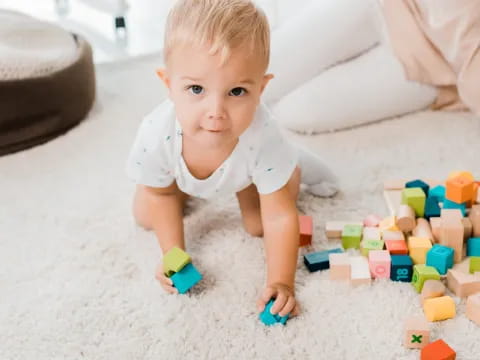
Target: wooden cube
x=422, y=273
x=367, y=245
x=415, y=197
x=440, y=257
x=306, y=229
x=406, y=220
x=438, y=192
x=333, y=229
x=436, y=226
x=379, y=262
x=418, y=248
x=474, y=217
x=467, y=228
x=459, y=189
x=351, y=236
x=389, y=223
x=451, y=214
x=423, y=229
x=416, y=332
x=397, y=247
x=340, y=268
x=452, y=236
x=439, y=308
x=462, y=284
x=371, y=233
x=473, y=308
x=402, y=268
x=432, y=208
x=372, y=220
x=392, y=235
x=437, y=350
x=360, y=272
x=432, y=289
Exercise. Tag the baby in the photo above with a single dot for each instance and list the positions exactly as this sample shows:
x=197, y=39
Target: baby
x=213, y=136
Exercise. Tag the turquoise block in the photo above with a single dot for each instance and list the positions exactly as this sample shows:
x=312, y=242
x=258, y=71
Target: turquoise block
x=186, y=278
x=401, y=268
x=418, y=184
x=438, y=192
x=440, y=257
x=269, y=319
x=473, y=246
x=449, y=204
x=432, y=208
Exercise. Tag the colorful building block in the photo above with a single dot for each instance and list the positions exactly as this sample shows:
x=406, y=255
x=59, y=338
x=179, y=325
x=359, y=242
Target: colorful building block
x=175, y=260
x=440, y=257
x=438, y=192
x=340, y=268
x=421, y=273
x=474, y=264
x=418, y=184
x=186, y=278
x=316, y=261
x=388, y=223
x=437, y=350
x=406, y=219
x=397, y=247
x=402, y=268
x=392, y=235
x=462, y=284
x=439, y=308
x=448, y=204
x=432, y=289
x=351, y=236
x=452, y=236
x=372, y=220
x=415, y=197
x=418, y=248
x=474, y=217
x=473, y=246
x=379, y=262
x=367, y=245
x=269, y=319
x=459, y=189
x=432, y=208
x=333, y=229
x=306, y=229
x=360, y=272
x=473, y=308
x=423, y=229
x=371, y=233
x=416, y=332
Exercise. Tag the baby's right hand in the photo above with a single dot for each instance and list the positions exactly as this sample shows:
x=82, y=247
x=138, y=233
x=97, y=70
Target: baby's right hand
x=165, y=281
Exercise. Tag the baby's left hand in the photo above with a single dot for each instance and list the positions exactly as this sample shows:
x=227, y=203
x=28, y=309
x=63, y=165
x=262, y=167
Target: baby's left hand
x=284, y=300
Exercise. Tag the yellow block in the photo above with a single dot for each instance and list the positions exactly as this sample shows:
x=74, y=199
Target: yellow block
x=418, y=248
x=440, y=308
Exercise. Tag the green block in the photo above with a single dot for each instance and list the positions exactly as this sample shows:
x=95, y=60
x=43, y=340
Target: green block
x=370, y=244
x=421, y=273
x=175, y=260
x=474, y=264
x=351, y=236
x=415, y=197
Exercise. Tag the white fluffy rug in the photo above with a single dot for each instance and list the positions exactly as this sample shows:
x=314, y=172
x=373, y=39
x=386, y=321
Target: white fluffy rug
x=77, y=277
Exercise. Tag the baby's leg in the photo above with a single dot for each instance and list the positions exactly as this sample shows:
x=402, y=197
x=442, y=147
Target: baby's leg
x=366, y=89
x=320, y=35
x=249, y=201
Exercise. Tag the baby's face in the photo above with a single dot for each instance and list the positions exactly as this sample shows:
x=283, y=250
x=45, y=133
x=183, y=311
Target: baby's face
x=214, y=104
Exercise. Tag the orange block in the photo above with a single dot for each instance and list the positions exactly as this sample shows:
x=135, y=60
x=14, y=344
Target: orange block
x=459, y=189
x=397, y=247
x=306, y=230
x=438, y=350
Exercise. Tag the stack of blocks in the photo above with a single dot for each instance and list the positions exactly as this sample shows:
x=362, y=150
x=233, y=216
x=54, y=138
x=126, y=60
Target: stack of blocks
x=178, y=267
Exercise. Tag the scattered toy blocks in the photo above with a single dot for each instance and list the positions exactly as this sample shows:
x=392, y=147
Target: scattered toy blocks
x=437, y=350
x=421, y=273
x=440, y=257
x=439, y=308
x=351, y=236
x=379, y=262
x=319, y=260
x=306, y=230
x=418, y=248
x=340, y=268
x=402, y=268
x=417, y=332
x=269, y=319
x=415, y=197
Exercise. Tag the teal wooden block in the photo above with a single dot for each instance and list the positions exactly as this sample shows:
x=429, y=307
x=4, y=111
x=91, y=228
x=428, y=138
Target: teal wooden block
x=319, y=260
x=438, y=192
x=186, y=278
x=351, y=236
x=418, y=184
x=401, y=268
x=474, y=264
x=449, y=204
x=473, y=246
x=421, y=273
x=440, y=257
x=432, y=208
x=415, y=197
x=269, y=319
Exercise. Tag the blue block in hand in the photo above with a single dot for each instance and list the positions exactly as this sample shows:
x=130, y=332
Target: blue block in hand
x=440, y=257
x=269, y=319
x=473, y=246
x=401, y=268
x=186, y=278
x=319, y=260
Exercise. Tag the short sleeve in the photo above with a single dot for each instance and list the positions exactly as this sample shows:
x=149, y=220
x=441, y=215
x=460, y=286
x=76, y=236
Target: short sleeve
x=275, y=161
x=149, y=161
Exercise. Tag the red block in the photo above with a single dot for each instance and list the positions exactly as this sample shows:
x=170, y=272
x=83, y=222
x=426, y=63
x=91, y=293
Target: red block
x=306, y=230
x=438, y=350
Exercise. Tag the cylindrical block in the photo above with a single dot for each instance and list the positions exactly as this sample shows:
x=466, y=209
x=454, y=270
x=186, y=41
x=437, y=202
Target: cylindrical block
x=423, y=229
x=406, y=218
x=440, y=308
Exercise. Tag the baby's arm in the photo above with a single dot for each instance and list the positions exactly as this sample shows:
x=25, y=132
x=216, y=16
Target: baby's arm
x=281, y=233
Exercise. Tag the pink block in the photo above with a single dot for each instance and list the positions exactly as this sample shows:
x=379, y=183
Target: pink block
x=372, y=220
x=379, y=262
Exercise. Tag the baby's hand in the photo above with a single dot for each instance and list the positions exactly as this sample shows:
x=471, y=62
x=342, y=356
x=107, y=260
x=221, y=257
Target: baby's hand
x=284, y=300
x=165, y=281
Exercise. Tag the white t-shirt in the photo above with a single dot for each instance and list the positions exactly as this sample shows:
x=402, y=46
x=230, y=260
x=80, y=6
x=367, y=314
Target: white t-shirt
x=262, y=156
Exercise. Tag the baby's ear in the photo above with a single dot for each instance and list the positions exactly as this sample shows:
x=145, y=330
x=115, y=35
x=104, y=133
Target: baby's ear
x=265, y=80
x=162, y=74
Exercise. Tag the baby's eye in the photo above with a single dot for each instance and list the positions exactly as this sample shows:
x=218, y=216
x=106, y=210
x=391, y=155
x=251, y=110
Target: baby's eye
x=196, y=89
x=237, y=91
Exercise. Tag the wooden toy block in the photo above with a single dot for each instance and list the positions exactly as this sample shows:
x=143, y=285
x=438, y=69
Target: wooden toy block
x=467, y=228
x=406, y=220
x=474, y=264
x=380, y=263
x=448, y=204
x=397, y=247
x=439, y=308
x=402, y=268
x=421, y=273
x=393, y=199
x=367, y=245
x=473, y=246
x=360, y=273
x=186, y=278
x=393, y=235
x=372, y=220
x=418, y=184
x=340, y=268
x=269, y=319
x=351, y=236
x=462, y=284
x=451, y=214
x=175, y=260
x=436, y=225
x=418, y=248
x=438, y=192
x=473, y=308
x=459, y=189
x=437, y=350
x=319, y=260
x=441, y=258
x=389, y=223
x=423, y=230
x=333, y=229
x=306, y=230
x=415, y=197
x=417, y=332
x=432, y=208
x=474, y=217
x=451, y=235
x=432, y=289
x=371, y=233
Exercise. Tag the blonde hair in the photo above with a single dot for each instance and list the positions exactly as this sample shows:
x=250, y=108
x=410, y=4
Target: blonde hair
x=223, y=25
